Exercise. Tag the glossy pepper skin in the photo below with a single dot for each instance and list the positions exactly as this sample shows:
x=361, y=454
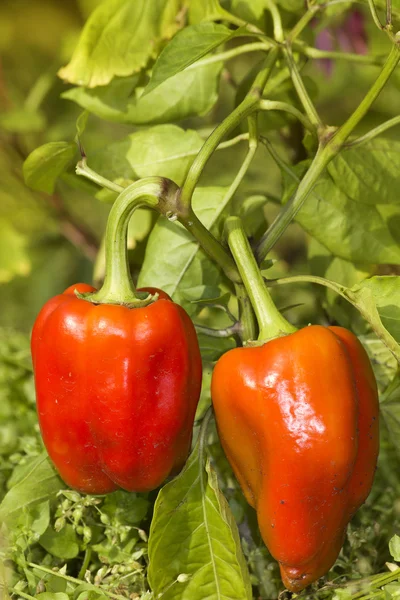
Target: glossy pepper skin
x=117, y=390
x=298, y=420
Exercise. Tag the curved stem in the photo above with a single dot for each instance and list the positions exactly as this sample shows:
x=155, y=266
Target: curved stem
x=374, y=132
x=283, y=106
x=245, y=108
x=374, y=14
x=207, y=241
x=276, y=20
x=118, y=287
x=271, y=322
x=83, y=169
x=336, y=287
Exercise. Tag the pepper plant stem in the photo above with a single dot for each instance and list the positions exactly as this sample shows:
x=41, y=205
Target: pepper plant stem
x=302, y=23
x=189, y=220
x=335, y=55
x=245, y=108
x=345, y=130
x=290, y=210
x=374, y=132
x=271, y=322
x=327, y=150
x=283, y=106
x=302, y=93
x=207, y=241
x=83, y=169
x=118, y=287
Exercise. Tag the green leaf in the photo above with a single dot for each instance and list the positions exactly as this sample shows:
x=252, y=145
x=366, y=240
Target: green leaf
x=194, y=546
x=62, y=544
x=212, y=348
x=125, y=507
x=184, y=95
x=382, y=360
x=386, y=294
x=369, y=173
x=164, y=150
x=119, y=38
x=189, y=45
x=87, y=591
x=392, y=591
x=39, y=517
x=249, y=11
x=45, y=164
x=339, y=224
x=181, y=269
x=394, y=547
x=204, y=10
x=40, y=483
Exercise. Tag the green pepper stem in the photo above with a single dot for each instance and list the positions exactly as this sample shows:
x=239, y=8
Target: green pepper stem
x=271, y=322
x=118, y=287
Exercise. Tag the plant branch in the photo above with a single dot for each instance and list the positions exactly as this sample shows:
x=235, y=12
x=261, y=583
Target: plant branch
x=83, y=169
x=327, y=150
x=171, y=209
x=345, y=130
x=276, y=20
x=245, y=108
x=278, y=160
x=334, y=55
x=283, y=106
x=373, y=133
x=290, y=210
x=302, y=23
x=302, y=93
x=74, y=580
x=201, y=233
